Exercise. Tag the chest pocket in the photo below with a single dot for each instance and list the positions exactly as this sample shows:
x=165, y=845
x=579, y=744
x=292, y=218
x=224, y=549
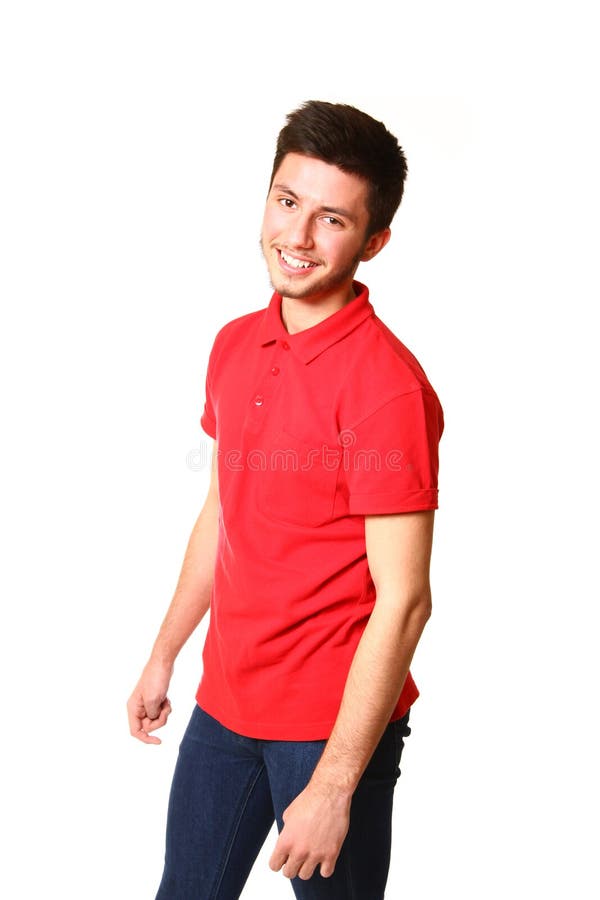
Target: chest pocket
x=298, y=483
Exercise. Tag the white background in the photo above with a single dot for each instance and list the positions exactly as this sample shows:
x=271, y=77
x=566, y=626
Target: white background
x=136, y=146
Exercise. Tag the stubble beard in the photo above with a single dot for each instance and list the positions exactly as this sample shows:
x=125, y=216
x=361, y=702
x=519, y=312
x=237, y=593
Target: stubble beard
x=324, y=285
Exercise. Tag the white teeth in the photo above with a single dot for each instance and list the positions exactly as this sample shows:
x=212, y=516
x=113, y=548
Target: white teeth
x=296, y=263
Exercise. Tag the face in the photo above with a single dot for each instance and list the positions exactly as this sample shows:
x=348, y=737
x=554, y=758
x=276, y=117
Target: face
x=314, y=229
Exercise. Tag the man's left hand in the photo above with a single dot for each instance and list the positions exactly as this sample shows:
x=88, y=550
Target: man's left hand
x=315, y=825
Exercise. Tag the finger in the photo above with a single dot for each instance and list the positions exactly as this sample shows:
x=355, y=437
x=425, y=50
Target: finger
x=153, y=707
x=153, y=724
x=291, y=868
x=307, y=870
x=146, y=738
x=278, y=857
x=277, y=861
x=138, y=730
x=327, y=869
x=135, y=709
x=134, y=716
x=139, y=722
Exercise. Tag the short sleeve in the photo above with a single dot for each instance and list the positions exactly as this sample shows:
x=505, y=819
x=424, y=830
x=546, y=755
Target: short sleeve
x=390, y=458
x=208, y=419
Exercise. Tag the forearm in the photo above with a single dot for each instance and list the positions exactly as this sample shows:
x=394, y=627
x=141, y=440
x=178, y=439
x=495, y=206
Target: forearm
x=317, y=820
x=377, y=674
x=191, y=598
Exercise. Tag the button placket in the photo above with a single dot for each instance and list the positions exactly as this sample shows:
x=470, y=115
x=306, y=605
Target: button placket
x=266, y=389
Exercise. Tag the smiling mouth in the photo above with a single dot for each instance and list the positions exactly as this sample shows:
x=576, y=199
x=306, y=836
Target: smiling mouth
x=296, y=263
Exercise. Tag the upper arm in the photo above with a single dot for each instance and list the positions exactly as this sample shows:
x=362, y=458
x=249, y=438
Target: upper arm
x=212, y=495
x=399, y=552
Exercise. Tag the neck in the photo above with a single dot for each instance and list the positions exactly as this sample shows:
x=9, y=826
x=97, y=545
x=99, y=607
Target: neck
x=298, y=313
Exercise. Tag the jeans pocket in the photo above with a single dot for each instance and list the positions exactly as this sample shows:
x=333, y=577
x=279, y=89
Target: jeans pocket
x=401, y=731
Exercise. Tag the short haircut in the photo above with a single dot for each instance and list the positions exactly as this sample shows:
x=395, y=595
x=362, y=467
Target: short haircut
x=345, y=137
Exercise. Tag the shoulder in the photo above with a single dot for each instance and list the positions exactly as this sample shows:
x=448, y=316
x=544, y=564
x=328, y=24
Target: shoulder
x=239, y=326
x=235, y=333
x=391, y=357
x=378, y=369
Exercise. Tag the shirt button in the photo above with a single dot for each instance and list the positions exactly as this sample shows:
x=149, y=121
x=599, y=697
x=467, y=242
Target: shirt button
x=275, y=370
x=285, y=345
x=258, y=400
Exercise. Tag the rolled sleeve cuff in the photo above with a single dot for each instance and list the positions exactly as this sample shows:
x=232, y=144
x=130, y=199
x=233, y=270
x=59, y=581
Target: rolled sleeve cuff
x=402, y=501
x=209, y=425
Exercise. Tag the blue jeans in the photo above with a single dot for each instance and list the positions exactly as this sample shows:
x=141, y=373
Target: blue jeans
x=228, y=790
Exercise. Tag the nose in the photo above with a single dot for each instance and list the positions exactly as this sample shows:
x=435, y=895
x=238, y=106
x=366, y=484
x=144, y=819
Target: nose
x=300, y=234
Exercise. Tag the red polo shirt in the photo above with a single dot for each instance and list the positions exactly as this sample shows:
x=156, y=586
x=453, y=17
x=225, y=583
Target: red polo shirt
x=314, y=431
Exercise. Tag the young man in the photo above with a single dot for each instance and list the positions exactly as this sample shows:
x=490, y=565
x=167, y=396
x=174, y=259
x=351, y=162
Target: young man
x=312, y=549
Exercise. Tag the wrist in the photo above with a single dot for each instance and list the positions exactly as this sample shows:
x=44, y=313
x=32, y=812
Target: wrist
x=334, y=783
x=162, y=658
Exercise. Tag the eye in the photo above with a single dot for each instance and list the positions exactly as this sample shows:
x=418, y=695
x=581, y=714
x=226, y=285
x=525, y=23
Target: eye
x=287, y=202
x=331, y=220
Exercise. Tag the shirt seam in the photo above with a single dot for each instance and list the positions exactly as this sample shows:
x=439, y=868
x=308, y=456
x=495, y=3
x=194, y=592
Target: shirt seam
x=420, y=388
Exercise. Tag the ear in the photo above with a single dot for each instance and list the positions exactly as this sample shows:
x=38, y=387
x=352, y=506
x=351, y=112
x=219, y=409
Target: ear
x=375, y=243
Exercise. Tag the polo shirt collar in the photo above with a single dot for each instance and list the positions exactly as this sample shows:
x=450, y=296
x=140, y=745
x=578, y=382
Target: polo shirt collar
x=310, y=342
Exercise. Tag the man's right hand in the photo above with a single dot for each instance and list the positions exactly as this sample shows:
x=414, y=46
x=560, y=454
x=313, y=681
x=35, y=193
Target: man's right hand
x=148, y=708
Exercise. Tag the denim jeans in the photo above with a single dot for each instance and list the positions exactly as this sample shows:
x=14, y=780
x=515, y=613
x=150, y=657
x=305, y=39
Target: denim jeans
x=227, y=790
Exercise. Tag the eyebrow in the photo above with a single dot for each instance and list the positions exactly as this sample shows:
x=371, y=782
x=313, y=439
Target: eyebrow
x=335, y=210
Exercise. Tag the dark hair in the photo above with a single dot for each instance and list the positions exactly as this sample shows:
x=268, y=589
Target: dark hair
x=354, y=142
